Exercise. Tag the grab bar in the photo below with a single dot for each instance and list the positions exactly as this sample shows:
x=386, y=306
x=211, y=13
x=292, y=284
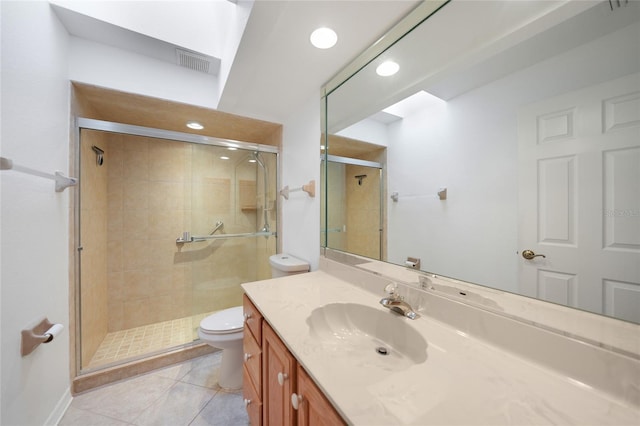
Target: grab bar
x=219, y=224
x=191, y=239
x=331, y=230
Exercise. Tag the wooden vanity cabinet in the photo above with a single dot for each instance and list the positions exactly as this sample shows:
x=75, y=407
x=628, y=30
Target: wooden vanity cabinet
x=278, y=379
x=252, y=366
x=274, y=381
x=313, y=408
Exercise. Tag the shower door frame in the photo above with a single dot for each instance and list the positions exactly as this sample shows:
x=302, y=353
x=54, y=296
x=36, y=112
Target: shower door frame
x=82, y=123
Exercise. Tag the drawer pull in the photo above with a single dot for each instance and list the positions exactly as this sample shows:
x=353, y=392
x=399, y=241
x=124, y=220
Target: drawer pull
x=247, y=402
x=282, y=377
x=296, y=400
x=246, y=357
x=246, y=317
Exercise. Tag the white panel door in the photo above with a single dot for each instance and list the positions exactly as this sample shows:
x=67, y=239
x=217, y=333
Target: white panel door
x=579, y=198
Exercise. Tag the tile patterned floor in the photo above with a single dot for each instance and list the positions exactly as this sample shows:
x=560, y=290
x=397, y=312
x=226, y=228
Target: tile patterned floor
x=184, y=394
x=123, y=344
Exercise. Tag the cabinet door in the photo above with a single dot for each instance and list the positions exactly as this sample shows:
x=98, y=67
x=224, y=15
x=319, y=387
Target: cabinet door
x=313, y=407
x=251, y=400
x=252, y=360
x=252, y=318
x=278, y=380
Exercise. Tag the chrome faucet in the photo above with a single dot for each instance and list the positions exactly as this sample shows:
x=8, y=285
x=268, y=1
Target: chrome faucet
x=396, y=303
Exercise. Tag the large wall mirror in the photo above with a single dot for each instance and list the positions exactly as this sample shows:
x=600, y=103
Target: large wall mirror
x=505, y=151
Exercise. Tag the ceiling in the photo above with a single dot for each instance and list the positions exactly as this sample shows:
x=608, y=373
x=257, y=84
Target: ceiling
x=275, y=68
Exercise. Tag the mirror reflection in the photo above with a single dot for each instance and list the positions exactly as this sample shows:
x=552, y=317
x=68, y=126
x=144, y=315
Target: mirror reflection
x=509, y=152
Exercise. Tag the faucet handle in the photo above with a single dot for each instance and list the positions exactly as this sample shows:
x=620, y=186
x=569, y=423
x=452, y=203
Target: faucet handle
x=391, y=290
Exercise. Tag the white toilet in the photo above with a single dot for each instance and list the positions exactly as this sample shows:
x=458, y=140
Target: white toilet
x=284, y=264
x=223, y=329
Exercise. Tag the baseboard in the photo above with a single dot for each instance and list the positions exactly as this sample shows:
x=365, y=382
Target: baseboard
x=60, y=409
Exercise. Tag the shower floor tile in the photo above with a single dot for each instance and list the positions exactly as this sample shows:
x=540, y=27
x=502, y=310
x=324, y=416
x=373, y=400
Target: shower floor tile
x=123, y=344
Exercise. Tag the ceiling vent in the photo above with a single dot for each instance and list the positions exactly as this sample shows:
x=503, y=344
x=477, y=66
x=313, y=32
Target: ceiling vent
x=197, y=62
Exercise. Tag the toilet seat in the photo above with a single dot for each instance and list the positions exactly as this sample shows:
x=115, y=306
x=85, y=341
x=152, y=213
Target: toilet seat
x=226, y=321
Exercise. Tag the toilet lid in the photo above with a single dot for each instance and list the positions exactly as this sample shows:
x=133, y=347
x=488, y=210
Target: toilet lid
x=226, y=321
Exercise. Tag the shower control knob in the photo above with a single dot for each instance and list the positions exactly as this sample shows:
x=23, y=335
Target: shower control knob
x=282, y=377
x=246, y=357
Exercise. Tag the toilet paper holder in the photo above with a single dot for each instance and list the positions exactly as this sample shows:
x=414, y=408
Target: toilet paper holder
x=412, y=263
x=43, y=332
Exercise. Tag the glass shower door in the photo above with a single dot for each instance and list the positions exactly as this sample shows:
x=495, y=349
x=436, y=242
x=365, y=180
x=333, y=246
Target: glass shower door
x=141, y=291
x=233, y=224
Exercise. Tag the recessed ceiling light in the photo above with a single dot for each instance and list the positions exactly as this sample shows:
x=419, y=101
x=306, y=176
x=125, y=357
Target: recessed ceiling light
x=323, y=38
x=252, y=161
x=195, y=125
x=231, y=148
x=224, y=158
x=387, y=68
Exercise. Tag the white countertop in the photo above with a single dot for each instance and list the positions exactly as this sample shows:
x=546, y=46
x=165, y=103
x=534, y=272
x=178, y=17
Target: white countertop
x=463, y=380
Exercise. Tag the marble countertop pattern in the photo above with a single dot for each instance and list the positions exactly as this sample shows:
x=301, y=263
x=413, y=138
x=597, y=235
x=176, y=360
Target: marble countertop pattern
x=463, y=380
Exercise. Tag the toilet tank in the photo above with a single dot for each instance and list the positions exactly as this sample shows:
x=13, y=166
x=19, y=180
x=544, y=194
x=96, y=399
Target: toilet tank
x=284, y=264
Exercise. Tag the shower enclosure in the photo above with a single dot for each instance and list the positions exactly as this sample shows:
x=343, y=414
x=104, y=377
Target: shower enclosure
x=169, y=225
x=355, y=207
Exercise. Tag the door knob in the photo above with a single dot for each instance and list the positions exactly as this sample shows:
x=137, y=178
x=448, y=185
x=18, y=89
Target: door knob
x=529, y=254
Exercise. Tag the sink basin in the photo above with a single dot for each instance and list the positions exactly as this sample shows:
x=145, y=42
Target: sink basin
x=370, y=336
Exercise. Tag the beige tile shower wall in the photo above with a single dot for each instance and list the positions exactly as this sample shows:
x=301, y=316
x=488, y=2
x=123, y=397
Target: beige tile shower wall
x=157, y=190
x=93, y=275
x=363, y=211
x=149, y=207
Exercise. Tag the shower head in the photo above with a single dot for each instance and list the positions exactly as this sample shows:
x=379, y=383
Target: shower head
x=99, y=155
x=256, y=156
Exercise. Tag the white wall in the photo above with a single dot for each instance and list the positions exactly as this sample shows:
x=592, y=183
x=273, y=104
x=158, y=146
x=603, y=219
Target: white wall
x=300, y=164
x=106, y=66
x=472, y=151
x=196, y=25
x=35, y=228
x=367, y=130
x=213, y=28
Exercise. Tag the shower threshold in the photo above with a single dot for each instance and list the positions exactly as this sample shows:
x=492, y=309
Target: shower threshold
x=135, y=342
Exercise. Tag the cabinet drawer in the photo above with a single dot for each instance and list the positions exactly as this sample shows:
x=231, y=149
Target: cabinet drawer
x=253, y=318
x=252, y=402
x=252, y=359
